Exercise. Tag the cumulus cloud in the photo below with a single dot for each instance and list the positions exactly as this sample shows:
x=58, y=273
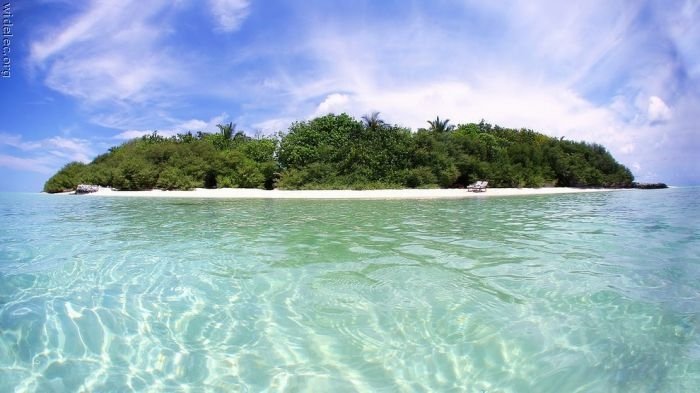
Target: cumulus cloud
x=561, y=70
x=508, y=102
x=274, y=125
x=194, y=124
x=333, y=103
x=658, y=111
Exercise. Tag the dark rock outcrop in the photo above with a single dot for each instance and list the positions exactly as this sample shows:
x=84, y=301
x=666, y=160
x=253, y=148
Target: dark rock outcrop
x=649, y=186
x=86, y=189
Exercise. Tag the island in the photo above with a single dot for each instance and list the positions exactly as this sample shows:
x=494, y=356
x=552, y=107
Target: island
x=339, y=152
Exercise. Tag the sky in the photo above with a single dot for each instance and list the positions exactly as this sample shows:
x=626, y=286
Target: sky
x=79, y=77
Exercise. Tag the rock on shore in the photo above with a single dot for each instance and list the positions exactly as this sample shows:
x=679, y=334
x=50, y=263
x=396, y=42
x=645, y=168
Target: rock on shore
x=86, y=189
x=649, y=186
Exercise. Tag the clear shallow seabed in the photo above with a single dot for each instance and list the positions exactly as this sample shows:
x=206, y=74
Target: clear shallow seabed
x=564, y=293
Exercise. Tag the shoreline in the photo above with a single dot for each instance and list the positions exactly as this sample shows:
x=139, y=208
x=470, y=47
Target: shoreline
x=428, y=193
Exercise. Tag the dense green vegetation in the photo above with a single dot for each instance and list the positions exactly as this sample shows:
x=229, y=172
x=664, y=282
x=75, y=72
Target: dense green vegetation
x=338, y=151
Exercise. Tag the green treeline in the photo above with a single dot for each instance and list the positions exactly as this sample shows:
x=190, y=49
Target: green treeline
x=340, y=152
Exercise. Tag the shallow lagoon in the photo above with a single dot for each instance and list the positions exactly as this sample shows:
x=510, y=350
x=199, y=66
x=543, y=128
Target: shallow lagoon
x=580, y=292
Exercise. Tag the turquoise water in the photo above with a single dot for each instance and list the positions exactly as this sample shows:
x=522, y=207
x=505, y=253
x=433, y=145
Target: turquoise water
x=567, y=293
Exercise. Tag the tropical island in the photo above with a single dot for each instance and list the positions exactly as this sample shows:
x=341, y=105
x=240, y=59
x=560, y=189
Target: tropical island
x=336, y=152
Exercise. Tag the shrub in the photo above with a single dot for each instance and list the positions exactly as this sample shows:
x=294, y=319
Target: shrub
x=67, y=178
x=420, y=176
x=135, y=174
x=175, y=179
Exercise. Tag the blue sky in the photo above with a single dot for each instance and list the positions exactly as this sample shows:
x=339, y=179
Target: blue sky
x=88, y=75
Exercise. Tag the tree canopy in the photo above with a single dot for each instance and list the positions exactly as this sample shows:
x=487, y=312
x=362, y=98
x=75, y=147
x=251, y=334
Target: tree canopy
x=338, y=151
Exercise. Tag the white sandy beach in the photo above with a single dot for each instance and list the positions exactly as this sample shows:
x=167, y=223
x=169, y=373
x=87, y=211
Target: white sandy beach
x=250, y=193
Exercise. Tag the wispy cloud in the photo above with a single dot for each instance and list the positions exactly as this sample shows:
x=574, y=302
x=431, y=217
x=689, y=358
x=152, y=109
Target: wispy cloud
x=43, y=155
x=123, y=61
x=110, y=52
x=229, y=14
x=626, y=75
x=26, y=164
x=595, y=71
x=191, y=125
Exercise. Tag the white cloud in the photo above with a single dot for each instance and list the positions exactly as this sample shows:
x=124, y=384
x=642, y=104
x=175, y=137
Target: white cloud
x=25, y=164
x=44, y=155
x=560, y=69
x=131, y=134
x=229, y=14
x=658, y=111
x=111, y=52
x=13, y=141
x=192, y=125
x=591, y=71
x=683, y=26
x=74, y=148
x=274, y=125
x=80, y=30
x=554, y=110
x=198, y=125
x=333, y=103
x=627, y=149
x=121, y=63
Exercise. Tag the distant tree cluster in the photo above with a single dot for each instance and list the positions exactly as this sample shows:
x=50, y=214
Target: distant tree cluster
x=340, y=152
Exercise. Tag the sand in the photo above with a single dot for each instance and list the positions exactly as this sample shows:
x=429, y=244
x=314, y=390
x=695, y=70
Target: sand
x=249, y=193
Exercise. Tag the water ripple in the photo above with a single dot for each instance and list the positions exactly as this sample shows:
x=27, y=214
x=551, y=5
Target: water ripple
x=585, y=292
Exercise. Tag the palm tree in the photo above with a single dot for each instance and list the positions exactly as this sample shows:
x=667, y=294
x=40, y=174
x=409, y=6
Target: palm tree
x=438, y=125
x=227, y=130
x=240, y=136
x=372, y=121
